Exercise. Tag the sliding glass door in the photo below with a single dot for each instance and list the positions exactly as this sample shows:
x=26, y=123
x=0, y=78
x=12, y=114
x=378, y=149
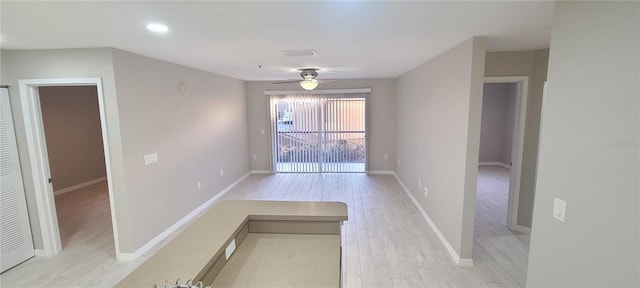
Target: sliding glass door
x=298, y=134
x=319, y=133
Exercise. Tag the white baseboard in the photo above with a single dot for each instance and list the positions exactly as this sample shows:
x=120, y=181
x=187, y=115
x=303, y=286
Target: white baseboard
x=504, y=165
x=522, y=229
x=40, y=253
x=153, y=242
x=380, y=172
x=494, y=164
x=465, y=262
x=78, y=186
x=461, y=262
x=261, y=172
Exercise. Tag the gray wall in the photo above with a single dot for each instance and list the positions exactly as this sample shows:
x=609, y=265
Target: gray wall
x=196, y=134
x=72, y=129
x=509, y=124
x=498, y=111
x=534, y=65
x=68, y=63
x=381, y=126
x=438, y=135
x=589, y=153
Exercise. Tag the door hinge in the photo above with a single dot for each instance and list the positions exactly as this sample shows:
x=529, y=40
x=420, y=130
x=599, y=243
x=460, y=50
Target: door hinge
x=50, y=181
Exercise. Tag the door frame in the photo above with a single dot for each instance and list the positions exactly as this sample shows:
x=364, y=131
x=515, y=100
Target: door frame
x=517, y=145
x=39, y=158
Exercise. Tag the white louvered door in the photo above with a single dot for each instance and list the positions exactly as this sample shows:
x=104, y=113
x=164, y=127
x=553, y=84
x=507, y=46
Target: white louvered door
x=16, y=244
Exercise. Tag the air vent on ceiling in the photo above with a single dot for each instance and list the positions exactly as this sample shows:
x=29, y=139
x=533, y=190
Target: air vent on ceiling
x=298, y=53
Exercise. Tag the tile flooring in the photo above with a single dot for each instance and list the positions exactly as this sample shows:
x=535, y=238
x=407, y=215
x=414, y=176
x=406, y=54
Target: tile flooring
x=387, y=243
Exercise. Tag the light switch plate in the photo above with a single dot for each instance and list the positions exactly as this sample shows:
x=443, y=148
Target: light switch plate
x=559, y=209
x=151, y=158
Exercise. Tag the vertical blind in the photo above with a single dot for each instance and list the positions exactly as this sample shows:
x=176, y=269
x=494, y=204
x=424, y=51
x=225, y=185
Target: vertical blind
x=319, y=132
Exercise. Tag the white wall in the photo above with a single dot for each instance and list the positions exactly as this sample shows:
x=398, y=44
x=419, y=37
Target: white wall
x=589, y=151
x=438, y=135
x=196, y=134
x=380, y=129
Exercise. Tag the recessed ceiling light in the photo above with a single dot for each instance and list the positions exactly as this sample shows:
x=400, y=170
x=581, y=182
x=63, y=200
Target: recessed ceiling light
x=158, y=28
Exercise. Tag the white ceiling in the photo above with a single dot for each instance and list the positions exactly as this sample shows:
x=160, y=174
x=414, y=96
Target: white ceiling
x=353, y=39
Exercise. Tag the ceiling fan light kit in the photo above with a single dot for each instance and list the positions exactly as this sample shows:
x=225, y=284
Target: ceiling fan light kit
x=309, y=84
x=309, y=76
x=309, y=81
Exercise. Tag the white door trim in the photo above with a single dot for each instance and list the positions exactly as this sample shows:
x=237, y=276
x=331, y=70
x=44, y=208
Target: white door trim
x=39, y=159
x=522, y=89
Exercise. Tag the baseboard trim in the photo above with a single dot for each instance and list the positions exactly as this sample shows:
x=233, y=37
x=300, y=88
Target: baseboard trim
x=78, y=186
x=494, y=164
x=153, y=242
x=261, y=172
x=461, y=262
x=522, y=229
x=39, y=253
x=380, y=172
x=465, y=262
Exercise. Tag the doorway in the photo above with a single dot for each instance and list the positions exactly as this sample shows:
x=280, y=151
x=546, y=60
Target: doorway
x=319, y=133
x=71, y=123
x=517, y=87
x=39, y=159
x=496, y=153
x=495, y=236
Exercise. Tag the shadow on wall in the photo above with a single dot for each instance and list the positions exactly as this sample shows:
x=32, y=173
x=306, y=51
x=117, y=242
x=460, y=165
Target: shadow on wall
x=71, y=120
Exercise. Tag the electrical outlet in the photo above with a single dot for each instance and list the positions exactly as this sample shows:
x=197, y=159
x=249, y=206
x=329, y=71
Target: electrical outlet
x=386, y=156
x=419, y=183
x=198, y=185
x=230, y=248
x=221, y=172
x=151, y=158
x=254, y=157
x=426, y=192
x=262, y=131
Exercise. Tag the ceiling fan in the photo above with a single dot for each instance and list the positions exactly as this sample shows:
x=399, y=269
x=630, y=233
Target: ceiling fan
x=309, y=81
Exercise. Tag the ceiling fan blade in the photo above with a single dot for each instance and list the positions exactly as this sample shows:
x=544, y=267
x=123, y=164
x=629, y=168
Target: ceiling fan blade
x=327, y=80
x=286, y=82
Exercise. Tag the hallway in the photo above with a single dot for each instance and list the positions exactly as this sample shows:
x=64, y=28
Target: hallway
x=494, y=244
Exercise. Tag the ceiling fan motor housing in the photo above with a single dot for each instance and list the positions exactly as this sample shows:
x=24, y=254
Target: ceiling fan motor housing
x=309, y=73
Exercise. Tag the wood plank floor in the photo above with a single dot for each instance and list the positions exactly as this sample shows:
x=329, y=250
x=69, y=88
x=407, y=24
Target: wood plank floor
x=84, y=219
x=387, y=243
x=495, y=246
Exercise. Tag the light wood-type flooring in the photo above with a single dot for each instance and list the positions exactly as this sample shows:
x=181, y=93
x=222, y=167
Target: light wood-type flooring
x=387, y=242
x=494, y=245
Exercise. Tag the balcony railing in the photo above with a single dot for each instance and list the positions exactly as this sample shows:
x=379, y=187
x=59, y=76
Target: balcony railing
x=327, y=151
